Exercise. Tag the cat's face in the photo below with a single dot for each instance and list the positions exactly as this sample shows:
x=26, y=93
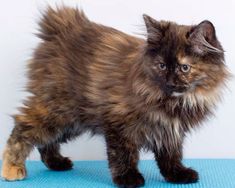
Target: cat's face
x=183, y=59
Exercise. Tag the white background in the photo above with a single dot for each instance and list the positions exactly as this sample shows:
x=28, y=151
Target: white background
x=18, y=22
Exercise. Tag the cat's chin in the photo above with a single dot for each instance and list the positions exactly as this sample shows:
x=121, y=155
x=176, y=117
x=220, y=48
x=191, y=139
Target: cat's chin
x=177, y=94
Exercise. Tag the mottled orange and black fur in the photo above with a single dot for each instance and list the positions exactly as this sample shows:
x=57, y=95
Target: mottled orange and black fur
x=137, y=93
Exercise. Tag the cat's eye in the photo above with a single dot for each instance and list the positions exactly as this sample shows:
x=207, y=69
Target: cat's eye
x=162, y=66
x=185, y=68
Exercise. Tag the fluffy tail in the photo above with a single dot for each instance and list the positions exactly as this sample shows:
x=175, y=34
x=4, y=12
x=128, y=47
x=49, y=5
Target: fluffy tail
x=60, y=20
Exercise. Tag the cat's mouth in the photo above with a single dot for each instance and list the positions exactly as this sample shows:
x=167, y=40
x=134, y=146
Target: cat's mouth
x=177, y=94
x=176, y=91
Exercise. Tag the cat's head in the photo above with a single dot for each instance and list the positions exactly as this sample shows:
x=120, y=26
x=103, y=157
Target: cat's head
x=182, y=59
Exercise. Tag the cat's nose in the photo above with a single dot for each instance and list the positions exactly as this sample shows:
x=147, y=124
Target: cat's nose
x=176, y=88
x=170, y=86
x=171, y=82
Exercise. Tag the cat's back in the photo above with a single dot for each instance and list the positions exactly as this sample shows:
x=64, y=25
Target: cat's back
x=71, y=44
x=69, y=27
x=78, y=59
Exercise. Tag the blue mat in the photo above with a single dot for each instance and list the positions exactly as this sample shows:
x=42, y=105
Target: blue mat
x=92, y=174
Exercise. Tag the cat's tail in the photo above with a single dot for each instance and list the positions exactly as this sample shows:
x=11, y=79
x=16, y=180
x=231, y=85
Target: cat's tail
x=57, y=21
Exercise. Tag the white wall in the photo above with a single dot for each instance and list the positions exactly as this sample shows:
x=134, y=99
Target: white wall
x=18, y=23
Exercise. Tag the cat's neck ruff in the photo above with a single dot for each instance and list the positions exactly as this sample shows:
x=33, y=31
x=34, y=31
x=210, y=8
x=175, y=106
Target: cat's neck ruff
x=203, y=100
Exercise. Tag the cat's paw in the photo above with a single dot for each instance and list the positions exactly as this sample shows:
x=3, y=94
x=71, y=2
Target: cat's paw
x=13, y=172
x=130, y=179
x=183, y=175
x=59, y=163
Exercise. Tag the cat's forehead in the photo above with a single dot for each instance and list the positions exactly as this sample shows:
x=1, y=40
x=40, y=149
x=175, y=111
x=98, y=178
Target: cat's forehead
x=185, y=59
x=174, y=41
x=176, y=57
x=174, y=30
x=174, y=44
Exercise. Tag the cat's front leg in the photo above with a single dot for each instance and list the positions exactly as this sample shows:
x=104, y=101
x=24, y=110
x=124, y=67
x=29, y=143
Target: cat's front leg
x=169, y=159
x=123, y=157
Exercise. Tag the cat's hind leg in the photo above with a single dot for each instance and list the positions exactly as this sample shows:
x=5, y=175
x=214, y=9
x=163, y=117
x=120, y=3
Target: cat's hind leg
x=14, y=156
x=33, y=127
x=51, y=157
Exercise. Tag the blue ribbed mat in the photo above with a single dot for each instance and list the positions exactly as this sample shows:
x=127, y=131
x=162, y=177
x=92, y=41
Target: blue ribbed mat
x=91, y=174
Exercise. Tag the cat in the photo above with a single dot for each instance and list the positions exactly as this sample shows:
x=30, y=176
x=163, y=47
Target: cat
x=137, y=93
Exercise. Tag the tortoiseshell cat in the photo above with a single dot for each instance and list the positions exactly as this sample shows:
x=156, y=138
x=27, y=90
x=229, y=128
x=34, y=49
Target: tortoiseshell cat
x=137, y=93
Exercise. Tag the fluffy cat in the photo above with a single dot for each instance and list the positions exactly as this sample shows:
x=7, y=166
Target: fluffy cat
x=137, y=93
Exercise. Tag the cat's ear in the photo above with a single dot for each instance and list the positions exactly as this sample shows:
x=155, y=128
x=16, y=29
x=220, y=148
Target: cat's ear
x=203, y=39
x=154, y=30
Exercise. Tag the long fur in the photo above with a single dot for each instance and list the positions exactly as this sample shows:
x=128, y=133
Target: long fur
x=88, y=77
